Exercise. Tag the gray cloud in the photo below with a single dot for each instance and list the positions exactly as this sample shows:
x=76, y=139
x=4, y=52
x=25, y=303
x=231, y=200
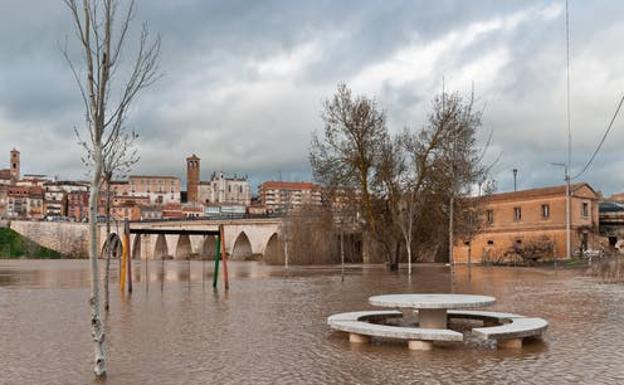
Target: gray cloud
x=243, y=81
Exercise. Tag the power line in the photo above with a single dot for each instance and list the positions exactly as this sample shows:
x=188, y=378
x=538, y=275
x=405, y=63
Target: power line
x=604, y=137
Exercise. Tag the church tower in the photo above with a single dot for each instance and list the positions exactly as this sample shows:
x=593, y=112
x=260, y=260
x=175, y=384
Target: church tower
x=15, y=164
x=192, y=178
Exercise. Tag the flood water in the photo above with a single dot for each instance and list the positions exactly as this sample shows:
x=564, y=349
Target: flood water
x=269, y=328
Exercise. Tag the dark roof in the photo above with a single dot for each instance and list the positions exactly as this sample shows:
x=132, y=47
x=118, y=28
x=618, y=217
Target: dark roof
x=610, y=207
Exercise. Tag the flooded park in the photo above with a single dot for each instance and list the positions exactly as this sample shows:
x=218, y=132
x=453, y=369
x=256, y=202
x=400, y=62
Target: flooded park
x=270, y=327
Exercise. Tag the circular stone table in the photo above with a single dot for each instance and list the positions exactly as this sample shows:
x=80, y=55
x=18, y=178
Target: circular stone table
x=431, y=307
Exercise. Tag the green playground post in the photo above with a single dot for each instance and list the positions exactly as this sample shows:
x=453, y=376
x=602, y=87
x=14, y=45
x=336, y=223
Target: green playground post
x=215, y=276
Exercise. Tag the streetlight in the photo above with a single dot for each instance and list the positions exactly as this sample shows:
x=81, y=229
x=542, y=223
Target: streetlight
x=515, y=172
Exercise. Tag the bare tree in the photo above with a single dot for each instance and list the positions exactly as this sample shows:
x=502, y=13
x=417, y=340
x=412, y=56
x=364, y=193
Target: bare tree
x=354, y=132
x=352, y=142
x=405, y=182
x=119, y=159
x=107, y=99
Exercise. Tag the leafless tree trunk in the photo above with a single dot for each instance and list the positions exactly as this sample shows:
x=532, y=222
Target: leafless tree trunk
x=101, y=41
x=122, y=154
x=109, y=249
x=96, y=320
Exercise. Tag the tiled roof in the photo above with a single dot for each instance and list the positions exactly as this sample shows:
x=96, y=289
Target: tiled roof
x=537, y=192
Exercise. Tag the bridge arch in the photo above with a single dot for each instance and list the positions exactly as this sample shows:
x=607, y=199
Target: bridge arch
x=241, y=249
x=136, y=247
x=115, y=242
x=274, y=250
x=160, y=249
x=183, y=247
x=208, y=248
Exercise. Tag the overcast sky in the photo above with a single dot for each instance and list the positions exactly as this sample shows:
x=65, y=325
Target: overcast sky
x=244, y=81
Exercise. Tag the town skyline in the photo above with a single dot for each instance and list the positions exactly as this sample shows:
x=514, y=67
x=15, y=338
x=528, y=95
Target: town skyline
x=247, y=100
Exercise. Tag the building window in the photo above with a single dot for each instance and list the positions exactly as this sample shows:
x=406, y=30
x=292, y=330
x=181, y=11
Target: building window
x=545, y=211
x=585, y=209
x=490, y=216
x=490, y=242
x=517, y=213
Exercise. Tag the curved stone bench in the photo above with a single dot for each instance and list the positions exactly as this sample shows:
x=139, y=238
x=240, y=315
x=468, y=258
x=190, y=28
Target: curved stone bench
x=507, y=329
x=510, y=329
x=360, y=329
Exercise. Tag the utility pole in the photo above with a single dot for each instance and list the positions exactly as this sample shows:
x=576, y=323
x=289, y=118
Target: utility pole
x=569, y=164
x=567, y=178
x=451, y=232
x=568, y=216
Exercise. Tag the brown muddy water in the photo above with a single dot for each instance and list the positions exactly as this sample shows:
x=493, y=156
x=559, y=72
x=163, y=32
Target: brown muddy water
x=269, y=328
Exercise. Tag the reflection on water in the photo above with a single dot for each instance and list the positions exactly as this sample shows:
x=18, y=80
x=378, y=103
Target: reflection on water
x=269, y=328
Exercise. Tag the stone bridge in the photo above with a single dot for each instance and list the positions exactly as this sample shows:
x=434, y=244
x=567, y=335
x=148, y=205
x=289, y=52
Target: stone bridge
x=244, y=238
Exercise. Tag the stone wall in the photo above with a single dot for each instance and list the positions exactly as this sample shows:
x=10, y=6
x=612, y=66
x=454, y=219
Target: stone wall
x=70, y=239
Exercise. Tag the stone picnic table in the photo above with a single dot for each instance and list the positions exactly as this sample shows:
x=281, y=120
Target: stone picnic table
x=423, y=320
x=432, y=308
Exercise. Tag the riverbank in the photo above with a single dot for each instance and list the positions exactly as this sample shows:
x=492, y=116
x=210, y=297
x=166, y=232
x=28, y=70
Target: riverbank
x=13, y=246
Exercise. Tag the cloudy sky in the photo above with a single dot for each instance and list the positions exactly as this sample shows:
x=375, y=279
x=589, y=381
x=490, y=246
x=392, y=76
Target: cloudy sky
x=244, y=81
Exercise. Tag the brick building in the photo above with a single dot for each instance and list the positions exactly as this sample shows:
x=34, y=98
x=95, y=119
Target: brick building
x=284, y=196
x=3, y=201
x=192, y=178
x=35, y=203
x=55, y=201
x=172, y=210
x=78, y=205
x=519, y=218
x=161, y=190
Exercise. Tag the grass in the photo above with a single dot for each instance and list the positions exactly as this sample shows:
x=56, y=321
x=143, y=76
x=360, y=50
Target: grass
x=13, y=245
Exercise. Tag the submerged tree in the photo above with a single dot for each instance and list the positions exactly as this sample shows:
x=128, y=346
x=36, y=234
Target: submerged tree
x=345, y=156
x=102, y=33
x=404, y=182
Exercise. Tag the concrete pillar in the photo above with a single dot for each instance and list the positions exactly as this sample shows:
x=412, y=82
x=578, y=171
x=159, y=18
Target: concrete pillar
x=409, y=316
x=490, y=323
x=512, y=343
x=419, y=345
x=358, y=338
x=432, y=318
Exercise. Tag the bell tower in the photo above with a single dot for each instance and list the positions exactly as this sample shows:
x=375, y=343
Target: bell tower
x=192, y=178
x=15, y=164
